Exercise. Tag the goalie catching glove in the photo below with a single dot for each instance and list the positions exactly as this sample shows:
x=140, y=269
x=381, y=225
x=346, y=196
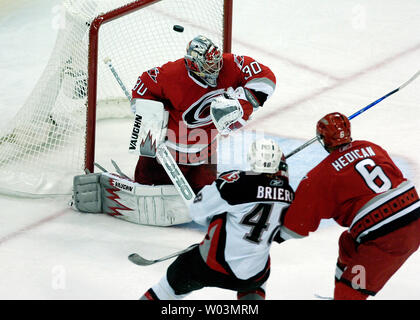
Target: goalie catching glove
x=128, y=200
x=226, y=110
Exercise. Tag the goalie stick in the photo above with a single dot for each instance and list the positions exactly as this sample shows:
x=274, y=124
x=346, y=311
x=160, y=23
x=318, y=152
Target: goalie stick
x=162, y=153
x=140, y=261
x=303, y=146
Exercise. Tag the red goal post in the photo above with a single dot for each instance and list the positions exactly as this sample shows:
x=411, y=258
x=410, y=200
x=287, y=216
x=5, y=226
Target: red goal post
x=52, y=136
x=93, y=62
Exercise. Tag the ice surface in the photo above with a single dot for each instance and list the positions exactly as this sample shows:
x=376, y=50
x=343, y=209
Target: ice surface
x=327, y=56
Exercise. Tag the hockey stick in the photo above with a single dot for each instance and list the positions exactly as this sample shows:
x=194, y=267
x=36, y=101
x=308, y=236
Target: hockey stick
x=140, y=261
x=303, y=146
x=162, y=153
x=107, y=61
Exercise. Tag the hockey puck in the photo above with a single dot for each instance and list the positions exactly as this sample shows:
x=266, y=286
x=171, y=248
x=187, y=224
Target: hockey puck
x=178, y=28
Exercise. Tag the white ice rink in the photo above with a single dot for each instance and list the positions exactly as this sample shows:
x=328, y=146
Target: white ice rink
x=328, y=55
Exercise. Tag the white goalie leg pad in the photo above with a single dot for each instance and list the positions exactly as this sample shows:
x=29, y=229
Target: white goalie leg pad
x=87, y=193
x=142, y=204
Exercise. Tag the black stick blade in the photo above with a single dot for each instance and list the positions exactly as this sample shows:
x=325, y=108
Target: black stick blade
x=139, y=260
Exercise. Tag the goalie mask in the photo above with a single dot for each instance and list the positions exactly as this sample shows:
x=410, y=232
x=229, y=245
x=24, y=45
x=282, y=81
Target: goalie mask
x=333, y=130
x=204, y=59
x=265, y=156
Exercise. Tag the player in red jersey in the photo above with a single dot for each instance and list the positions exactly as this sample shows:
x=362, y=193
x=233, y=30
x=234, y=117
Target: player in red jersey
x=187, y=87
x=205, y=93
x=360, y=187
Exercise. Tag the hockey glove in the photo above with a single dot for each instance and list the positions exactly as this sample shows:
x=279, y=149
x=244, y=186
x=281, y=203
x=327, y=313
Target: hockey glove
x=226, y=111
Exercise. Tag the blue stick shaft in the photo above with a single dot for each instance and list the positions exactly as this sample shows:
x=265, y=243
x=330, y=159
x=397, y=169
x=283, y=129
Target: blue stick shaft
x=307, y=143
x=354, y=115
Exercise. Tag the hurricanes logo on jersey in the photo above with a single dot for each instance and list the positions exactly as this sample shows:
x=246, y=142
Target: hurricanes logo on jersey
x=198, y=114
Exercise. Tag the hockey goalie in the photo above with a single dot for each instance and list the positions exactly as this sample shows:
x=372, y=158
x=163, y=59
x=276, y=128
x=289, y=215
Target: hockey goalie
x=183, y=105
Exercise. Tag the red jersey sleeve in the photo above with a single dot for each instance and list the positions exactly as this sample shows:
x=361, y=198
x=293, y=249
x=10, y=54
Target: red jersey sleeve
x=258, y=81
x=313, y=202
x=148, y=86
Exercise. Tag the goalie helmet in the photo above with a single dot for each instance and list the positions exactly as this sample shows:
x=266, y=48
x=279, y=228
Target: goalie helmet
x=204, y=59
x=265, y=156
x=333, y=130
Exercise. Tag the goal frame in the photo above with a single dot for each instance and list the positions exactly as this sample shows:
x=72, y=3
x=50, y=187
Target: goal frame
x=93, y=63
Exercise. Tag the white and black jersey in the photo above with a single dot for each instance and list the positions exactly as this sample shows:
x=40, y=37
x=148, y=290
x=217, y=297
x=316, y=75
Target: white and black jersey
x=242, y=211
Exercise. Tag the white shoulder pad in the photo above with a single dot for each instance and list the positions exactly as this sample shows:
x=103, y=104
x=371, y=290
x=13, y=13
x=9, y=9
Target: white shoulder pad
x=149, y=128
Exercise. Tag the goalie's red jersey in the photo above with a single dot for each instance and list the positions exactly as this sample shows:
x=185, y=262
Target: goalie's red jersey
x=191, y=133
x=360, y=187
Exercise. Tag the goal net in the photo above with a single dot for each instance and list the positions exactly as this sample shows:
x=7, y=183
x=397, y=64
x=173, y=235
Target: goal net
x=52, y=137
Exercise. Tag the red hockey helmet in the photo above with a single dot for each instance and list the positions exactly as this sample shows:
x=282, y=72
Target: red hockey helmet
x=333, y=130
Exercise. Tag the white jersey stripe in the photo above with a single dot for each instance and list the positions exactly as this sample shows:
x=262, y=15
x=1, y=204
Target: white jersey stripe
x=380, y=200
x=389, y=219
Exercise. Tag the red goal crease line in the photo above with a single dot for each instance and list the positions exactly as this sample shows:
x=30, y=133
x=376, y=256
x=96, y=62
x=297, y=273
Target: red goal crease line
x=30, y=227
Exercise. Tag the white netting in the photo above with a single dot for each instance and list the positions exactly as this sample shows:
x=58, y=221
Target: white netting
x=43, y=147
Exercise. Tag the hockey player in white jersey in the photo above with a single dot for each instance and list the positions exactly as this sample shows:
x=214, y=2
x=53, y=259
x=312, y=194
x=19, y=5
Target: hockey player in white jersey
x=242, y=211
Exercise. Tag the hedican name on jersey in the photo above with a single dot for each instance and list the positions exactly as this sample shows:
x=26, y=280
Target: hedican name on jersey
x=351, y=156
x=274, y=193
x=135, y=132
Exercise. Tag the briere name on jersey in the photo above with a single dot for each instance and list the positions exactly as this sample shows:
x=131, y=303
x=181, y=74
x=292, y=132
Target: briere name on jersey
x=242, y=186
